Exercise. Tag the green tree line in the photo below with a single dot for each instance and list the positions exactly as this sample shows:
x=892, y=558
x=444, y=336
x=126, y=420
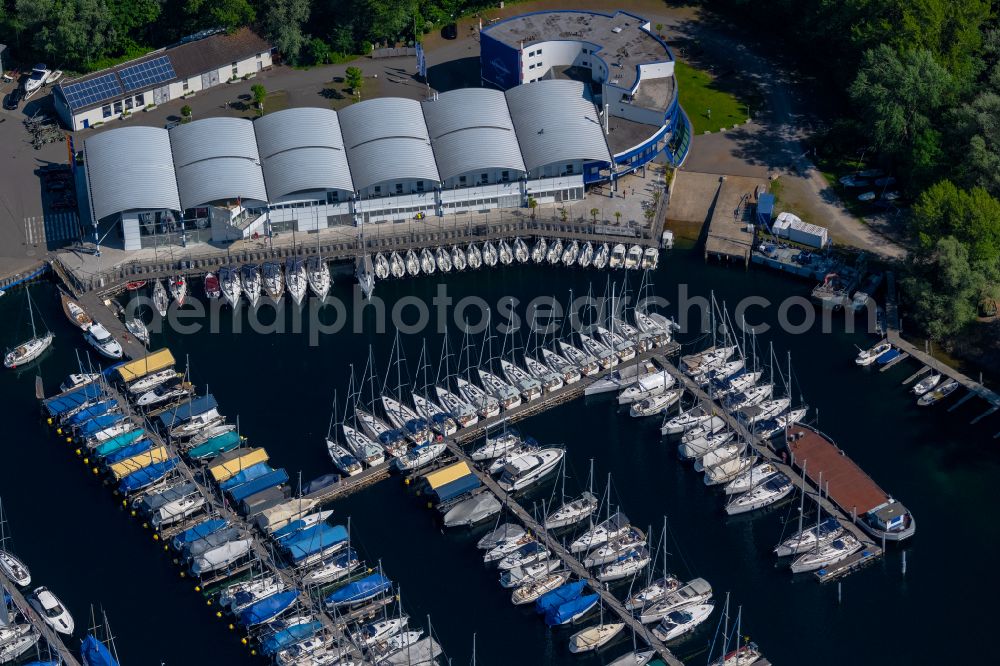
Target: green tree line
x=919, y=89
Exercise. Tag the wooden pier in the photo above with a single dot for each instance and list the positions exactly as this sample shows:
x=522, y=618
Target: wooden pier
x=730, y=229
x=49, y=635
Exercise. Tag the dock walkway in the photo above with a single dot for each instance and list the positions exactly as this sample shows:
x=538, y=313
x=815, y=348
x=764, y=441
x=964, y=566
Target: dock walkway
x=48, y=634
x=730, y=228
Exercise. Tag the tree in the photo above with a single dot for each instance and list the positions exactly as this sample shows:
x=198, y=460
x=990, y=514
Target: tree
x=532, y=204
x=186, y=112
x=228, y=14
x=593, y=214
x=318, y=52
x=355, y=78
x=282, y=22
x=618, y=217
x=563, y=215
x=976, y=127
x=972, y=217
x=259, y=95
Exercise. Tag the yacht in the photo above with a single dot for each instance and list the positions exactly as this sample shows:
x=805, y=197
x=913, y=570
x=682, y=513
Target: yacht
x=77, y=380
x=606, y=358
x=533, y=589
x=519, y=576
x=23, y=639
x=823, y=556
x=161, y=301
x=926, y=384
x=617, y=259
x=599, y=535
x=748, y=398
x=569, y=372
x=680, y=622
x=572, y=512
x=648, y=324
x=506, y=395
x=75, y=313
x=713, y=357
x=473, y=256
x=498, y=464
x=529, y=387
x=868, y=356
x=363, y=447
x=768, y=409
x=520, y=252
x=343, y=459
x=570, y=254
x=685, y=421
x=427, y=264
x=650, y=258
x=551, y=381
x=614, y=547
x=274, y=280
x=586, y=256
x=381, y=265
x=652, y=593
x=394, y=441
x=373, y=633
x=486, y=405
x=625, y=566
x=774, y=489
x=151, y=381
x=644, y=386
x=250, y=283
x=555, y=252
x=412, y=263
x=382, y=652
x=540, y=250
x=318, y=275
x=39, y=73
x=751, y=478
x=178, y=289
x=720, y=454
x=624, y=348
x=442, y=259
x=771, y=427
x=656, y=404
x=296, y=279
x=440, y=421
x=397, y=267
x=593, y=638
x=364, y=273
x=137, y=327
x=699, y=441
x=633, y=257
x=584, y=362
x=30, y=350
x=727, y=471
x=527, y=554
x=163, y=393
x=52, y=610
x=229, y=285
x=497, y=446
x=490, y=254
x=694, y=592
x=506, y=547
x=333, y=568
x=503, y=532
x=529, y=467
x=14, y=569
x=719, y=373
x=402, y=417
x=938, y=394
x=472, y=510
x=420, y=455
x=458, y=258
x=601, y=256
x=101, y=340
x=463, y=413
x=810, y=538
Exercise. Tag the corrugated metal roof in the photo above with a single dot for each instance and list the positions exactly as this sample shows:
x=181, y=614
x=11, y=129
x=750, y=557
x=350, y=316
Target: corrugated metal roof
x=555, y=122
x=216, y=159
x=118, y=181
x=471, y=129
x=302, y=149
x=387, y=140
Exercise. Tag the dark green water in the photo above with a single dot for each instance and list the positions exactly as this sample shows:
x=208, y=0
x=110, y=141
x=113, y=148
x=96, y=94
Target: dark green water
x=78, y=541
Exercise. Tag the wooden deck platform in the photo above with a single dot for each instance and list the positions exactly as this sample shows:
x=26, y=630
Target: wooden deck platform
x=730, y=231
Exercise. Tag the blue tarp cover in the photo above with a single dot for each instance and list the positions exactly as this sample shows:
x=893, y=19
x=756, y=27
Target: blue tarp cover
x=182, y=413
x=268, y=608
x=248, y=474
x=459, y=486
x=314, y=540
x=98, y=423
x=90, y=412
x=110, y=446
x=129, y=451
x=282, y=638
x=269, y=480
x=199, y=531
x=566, y=611
x=765, y=208
x=227, y=441
x=559, y=596
x=146, y=475
x=360, y=590
x=61, y=404
x=95, y=653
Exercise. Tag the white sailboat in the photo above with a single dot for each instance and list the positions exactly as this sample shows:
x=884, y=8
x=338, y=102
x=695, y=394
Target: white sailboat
x=526, y=555
x=595, y=637
x=496, y=447
x=161, y=301
x=533, y=589
x=486, y=405
x=363, y=447
x=685, y=421
x=577, y=510
x=419, y=456
x=441, y=421
x=823, y=556
x=491, y=256
x=926, y=384
x=811, y=538
x=655, y=590
x=774, y=489
x=655, y=404
x=751, y=478
x=178, y=289
x=586, y=256
x=392, y=440
x=427, y=263
x=551, y=381
x=404, y=418
x=529, y=387
x=12, y=567
x=601, y=256
x=500, y=534
x=250, y=282
x=519, y=576
x=296, y=279
x=584, y=362
x=867, y=356
x=520, y=251
x=570, y=254
x=627, y=565
x=473, y=256
x=624, y=348
x=229, y=285
x=381, y=266
x=615, y=547
x=569, y=372
x=412, y=263
x=696, y=591
x=505, y=394
x=539, y=250
x=464, y=413
x=646, y=385
x=32, y=348
x=606, y=358
x=458, y=258
x=137, y=327
x=443, y=260
x=599, y=535
x=397, y=267
x=554, y=252
x=318, y=275
x=151, y=381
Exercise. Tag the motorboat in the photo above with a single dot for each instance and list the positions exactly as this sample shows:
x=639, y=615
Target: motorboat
x=645, y=386
x=397, y=267
x=868, y=356
x=774, y=489
x=633, y=257
x=75, y=312
x=100, y=339
x=550, y=380
x=458, y=259
x=500, y=534
x=39, y=73
x=650, y=258
x=221, y=556
x=569, y=372
x=343, y=459
x=696, y=591
x=296, y=279
x=496, y=447
x=570, y=254
x=463, y=413
x=617, y=259
x=530, y=591
x=373, y=633
x=726, y=471
x=363, y=447
x=472, y=510
x=506, y=547
x=213, y=290
x=381, y=265
x=419, y=456
x=606, y=358
x=771, y=427
x=229, y=284
x=14, y=569
x=529, y=467
x=161, y=300
x=751, y=478
x=151, y=381
x=498, y=464
x=680, y=622
x=412, y=263
x=601, y=533
x=401, y=416
x=490, y=254
x=274, y=280
x=13, y=648
x=333, y=568
x=656, y=404
x=519, y=576
x=318, y=276
x=163, y=393
x=602, y=256
x=137, y=327
x=440, y=420
x=586, y=256
x=473, y=256
x=820, y=557
x=529, y=387
x=250, y=283
x=584, y=362
x=652, y=593
x=504, y=393
x=572, y=610
x=77, y=380
x=527, y=554
x=177, y=286
x=720, y=454
x=442, y=259
x=427, y=263
x=555, y=252
x=614, y=547
x=392, y=439
x=540, y=250
x=938, y=394
x=572, y=512
x=520, y=251
x=52, y=610
x=863, y=296
x=926, y=384
x=173, y=512
x=626, y=565
x=593, y=638
x=635, y=658
x=810, y=538
x=685, y=421
x=32, y=348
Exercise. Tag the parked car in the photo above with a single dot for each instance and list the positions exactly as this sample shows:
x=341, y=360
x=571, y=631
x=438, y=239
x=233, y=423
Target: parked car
x=13, y=100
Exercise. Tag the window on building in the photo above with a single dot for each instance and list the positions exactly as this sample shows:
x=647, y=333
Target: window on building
x=378, y=190
x=569, y=169
x=399, y=188
x=538, y=52
x=235, y=69
x=484, y=178
x=106, y=111
x=259, y=56
x=420, y=186
x=462, y=181
x=140, y=100
x=118, y=107
x=128, y=103
x=505, y=176
x=185, y=85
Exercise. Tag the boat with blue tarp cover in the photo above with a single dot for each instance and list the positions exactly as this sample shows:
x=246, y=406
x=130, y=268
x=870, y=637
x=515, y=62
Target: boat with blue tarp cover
x=359, y=591
x=571, y=610
x=886, y=357
x=227, y=441
x=269, y=480
x=65, y=402
x=97, y=424
x=45, y=663
x=185, y=412
x=300, y=525
x=559, y=596
x=95, y=410
x=199, y=531
x=146, y=476
x=267, y=609
x=96, y=653
x=452, y=481
x=249, y=474
x=314, y=540
x=117, y=442
x=282, y=638
x=141, y=446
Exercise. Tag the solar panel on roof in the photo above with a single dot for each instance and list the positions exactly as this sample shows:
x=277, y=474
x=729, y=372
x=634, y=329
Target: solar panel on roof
x=147, y=73
x=92, y=91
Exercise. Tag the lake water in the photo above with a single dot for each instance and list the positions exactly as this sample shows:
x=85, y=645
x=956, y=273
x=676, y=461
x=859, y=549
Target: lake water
x=78, y=540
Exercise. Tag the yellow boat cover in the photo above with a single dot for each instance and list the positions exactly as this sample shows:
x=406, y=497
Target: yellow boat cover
x=447, y=475
x=158, y=360
x=123, y=468
x=222, y=471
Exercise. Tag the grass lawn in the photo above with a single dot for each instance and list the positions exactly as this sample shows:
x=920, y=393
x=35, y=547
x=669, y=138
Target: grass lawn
x=275, y=101
x=698, y=94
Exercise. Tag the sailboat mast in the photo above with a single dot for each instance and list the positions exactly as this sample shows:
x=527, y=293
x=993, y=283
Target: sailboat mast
x=802, y=501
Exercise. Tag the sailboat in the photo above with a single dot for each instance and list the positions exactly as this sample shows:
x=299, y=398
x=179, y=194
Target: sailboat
x=441, y=421
x=531, y=590
x=497, y=446
x=569, y=371
x=529, y=387
x=412, y=263
x=75, y=312
x=606, y=358
x=365, y=274
x=586, y=255
x=504, y=393
x=774, y=489
x=161, y=301
x=490, y=254
x=458, y=258
x=397, y=267
x=926, y=384
x=539, y=250
x=617, y=259
x=625, y=565
x=570, y=254
x=274, y=280
x=554, y=253
x=579, y=509
x=520, y=251
x=295, y=279
x=474, y=257
x=550, y=380
x=464, y=413
x=229, y=283
x=597, y=536
x=342, y=459
x=178, y=289
x=11, y=566
x=137, y=327
x=32, y=348
x=587, y=364
x=381, y=266
x=602, y=256
x=595, y=637
x=250, y=283
x=751, y=478
x=442, y=259
x=212, y=288
x=655, y=590
x=427, y=264
x=633, y=257
x=318, y=275
x=823, y=556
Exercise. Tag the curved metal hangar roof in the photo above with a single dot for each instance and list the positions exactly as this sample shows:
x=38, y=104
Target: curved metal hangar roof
x=119, y=182
x=217, y=159
x=302, y=149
